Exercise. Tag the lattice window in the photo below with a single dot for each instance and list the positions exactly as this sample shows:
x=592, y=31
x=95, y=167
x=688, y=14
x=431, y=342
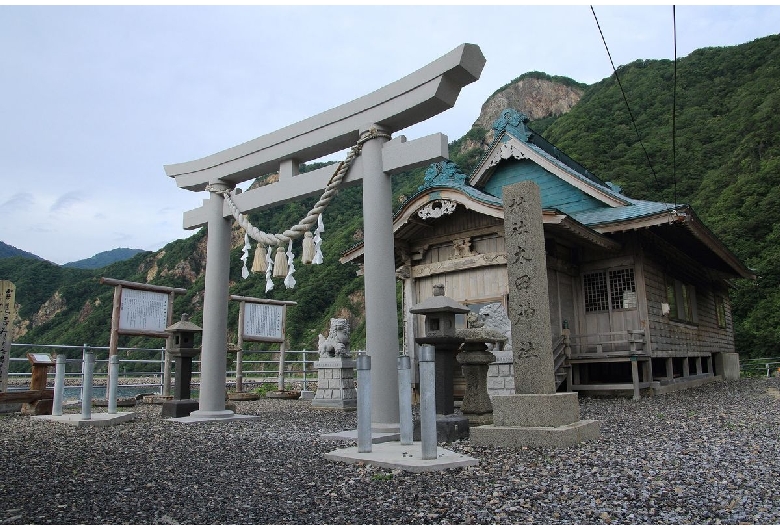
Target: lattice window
x=613, y=289
x=622, y=289
x=596, y=294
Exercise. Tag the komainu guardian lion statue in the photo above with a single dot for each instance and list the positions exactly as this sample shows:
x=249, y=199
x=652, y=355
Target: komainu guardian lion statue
x=493, y=316
x=337, y=343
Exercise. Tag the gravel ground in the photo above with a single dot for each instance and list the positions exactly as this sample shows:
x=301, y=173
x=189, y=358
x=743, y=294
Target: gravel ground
x=705, y=455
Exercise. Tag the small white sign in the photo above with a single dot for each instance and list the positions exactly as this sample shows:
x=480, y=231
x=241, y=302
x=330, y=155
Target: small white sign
x=263, y=321
x=143, y=310
x=40, y=358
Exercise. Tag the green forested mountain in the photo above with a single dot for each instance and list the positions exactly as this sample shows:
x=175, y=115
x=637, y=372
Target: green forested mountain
x=722, y=157
x=9, y=251
x=102, y=259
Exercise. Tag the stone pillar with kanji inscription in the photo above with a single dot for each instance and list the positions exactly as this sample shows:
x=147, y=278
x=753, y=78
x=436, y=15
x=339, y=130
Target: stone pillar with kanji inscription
x=7, y=314
x=536, y=415
x=529, y=306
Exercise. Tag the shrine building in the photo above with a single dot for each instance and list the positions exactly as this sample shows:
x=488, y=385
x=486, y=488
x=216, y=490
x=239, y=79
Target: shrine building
x=628, y=280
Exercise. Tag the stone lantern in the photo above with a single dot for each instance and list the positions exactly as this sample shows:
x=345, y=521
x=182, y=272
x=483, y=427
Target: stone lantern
x=439, y=312
x=181, y=346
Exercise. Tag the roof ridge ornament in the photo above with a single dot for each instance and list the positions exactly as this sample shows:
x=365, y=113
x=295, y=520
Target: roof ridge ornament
x=444, y=173
x=513, y=122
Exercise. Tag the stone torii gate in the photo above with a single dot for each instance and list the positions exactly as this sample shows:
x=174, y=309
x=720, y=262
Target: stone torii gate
x=410, y=100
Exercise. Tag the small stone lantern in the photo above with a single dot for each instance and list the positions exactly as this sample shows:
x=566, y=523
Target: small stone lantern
x=181, y=337
x=440, y=312
x=181, y=345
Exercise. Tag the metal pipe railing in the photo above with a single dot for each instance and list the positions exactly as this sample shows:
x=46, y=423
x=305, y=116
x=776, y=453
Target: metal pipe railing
x=101, y=368
x=298, y=366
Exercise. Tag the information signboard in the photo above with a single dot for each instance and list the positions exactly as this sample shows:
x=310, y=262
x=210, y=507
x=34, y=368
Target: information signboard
x=143, y=311
x=263, y=322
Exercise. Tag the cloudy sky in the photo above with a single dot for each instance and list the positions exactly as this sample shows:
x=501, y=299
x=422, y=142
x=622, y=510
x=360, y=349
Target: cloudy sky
x=95, y=100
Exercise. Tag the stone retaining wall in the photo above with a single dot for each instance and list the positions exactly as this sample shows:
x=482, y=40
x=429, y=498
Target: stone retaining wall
x=501, y=375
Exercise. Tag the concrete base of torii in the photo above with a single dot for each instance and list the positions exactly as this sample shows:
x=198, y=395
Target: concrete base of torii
x=393, y=455
x=99, y=419
x=536, y=420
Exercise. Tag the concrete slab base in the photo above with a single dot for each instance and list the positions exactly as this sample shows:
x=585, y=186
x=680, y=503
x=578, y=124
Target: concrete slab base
x=518, y=437
x=201, y=419
x=307, y=395
x=393, y=455
x=351, y=436
x=99, y=419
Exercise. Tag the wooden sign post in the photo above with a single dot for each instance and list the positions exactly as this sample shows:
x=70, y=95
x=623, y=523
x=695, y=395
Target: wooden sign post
x=260, y=320
x=139, y=309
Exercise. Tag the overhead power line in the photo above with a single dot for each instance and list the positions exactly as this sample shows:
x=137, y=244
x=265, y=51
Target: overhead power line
x=625, y=99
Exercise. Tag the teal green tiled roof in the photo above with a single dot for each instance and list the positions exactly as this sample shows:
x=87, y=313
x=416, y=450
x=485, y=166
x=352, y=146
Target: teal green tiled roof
x=636, y=210
x=556, y=194
x=584, y=209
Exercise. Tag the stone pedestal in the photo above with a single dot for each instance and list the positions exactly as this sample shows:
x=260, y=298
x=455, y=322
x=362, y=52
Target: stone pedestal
x=536, y=420
x=183, y=408
x=178, y=408
x=448, y=428
x=475, y=360
x=335, y=384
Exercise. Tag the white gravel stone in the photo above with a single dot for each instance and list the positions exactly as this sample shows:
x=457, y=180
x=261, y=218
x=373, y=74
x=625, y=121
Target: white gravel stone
x=705, y=455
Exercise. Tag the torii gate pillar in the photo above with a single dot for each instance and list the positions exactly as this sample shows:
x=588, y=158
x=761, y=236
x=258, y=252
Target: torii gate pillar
x=211, y=400
x=379, y=266
x=405, y=102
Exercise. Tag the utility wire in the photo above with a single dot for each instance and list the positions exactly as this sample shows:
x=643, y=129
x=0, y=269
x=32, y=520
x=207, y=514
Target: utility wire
x=625, y=99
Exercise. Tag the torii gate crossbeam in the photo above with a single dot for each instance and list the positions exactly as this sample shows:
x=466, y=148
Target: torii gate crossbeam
x=410, y=100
